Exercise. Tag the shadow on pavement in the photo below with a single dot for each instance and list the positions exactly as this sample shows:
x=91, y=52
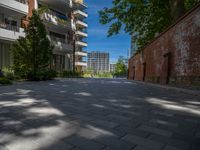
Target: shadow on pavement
x=97, y=114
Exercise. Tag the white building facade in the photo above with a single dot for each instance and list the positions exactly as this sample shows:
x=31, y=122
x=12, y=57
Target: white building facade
x=64, y=25
x=11, y=14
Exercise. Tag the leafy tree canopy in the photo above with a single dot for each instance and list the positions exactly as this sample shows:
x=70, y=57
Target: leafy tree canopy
x=120, y=68
x=32, y=54
x=146, y=17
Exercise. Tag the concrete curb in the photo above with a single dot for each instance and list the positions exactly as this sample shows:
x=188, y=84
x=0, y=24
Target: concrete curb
x=186, y=91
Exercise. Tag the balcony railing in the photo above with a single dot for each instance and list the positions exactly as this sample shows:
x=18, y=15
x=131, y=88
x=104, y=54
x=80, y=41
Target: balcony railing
x=80, y=63
x=81, y=24
x=79, y=4
x=53, y=17
x=23, y=1
x=56, y=39
x=82, y=34
x=81, y=53
x=80, y=12
x=9, y=27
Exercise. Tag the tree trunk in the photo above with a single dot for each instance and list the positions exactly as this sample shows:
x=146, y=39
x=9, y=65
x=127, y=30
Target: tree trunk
x=177, y=8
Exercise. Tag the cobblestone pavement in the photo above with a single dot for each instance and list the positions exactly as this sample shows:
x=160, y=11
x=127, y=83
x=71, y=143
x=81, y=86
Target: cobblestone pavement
x=97, y=114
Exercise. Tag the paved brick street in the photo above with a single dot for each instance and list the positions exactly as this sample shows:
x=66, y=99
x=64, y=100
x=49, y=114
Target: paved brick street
x=97, y=114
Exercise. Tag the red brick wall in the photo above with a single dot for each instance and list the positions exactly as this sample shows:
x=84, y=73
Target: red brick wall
x=174, y=56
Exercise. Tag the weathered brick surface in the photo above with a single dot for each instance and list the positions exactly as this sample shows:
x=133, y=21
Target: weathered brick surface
x=174, y=56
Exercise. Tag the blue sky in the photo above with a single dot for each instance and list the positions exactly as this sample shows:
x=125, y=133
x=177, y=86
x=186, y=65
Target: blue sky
x=97, y=33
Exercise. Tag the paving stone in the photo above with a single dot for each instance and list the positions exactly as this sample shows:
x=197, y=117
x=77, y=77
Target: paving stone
x=83, y=143
x=178, y=143
x=3, y=147
x=168, y=147
x=133, y=131
x=92, y=133
x=59, y=146
x=189, y=139
x=140, y=148
x=143, y=142
x=150, y=124
x=105, y=130
x=197, y=134
x=164, y=122
x=119, y=117
x=108, y=124
x=75, y=148
x=115, y=143
x=107, y=148
x=163, y=113
x=156, y=130
x=82, y=117
x=195, y=147
x=185, y=131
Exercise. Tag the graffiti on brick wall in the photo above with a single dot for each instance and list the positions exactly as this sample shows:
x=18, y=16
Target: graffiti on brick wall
x=182, y=46
x=182, y=43
x=196, y=20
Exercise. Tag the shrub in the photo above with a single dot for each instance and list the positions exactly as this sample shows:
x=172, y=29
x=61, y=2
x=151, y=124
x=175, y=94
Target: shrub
x=9, y=73
x=103, y=75
x=5, y=81
x=45, y=74
x=22, y=72
x=87, y=75
x=49, y=74
x=71, y=74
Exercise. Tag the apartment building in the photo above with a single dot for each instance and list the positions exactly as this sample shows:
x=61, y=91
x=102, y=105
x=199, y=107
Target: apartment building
x=80, y=34
x=64, y=25
x=98, y=62
x=11, y=14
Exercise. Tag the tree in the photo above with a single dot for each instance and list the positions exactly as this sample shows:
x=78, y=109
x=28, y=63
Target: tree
x=146, y=17
x=33, y=53
x=121, y=68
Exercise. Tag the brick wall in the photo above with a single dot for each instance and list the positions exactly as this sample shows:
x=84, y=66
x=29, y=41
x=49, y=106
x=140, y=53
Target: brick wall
x=174, y=56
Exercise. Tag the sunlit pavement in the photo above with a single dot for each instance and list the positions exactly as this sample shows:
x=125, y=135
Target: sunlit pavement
x=97, y=114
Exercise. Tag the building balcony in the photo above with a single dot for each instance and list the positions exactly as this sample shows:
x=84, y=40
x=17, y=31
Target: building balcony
x=10, y=33
x=79, y=4
x=81, y=63
x=19, y=6
x=59, y=5
x=81, y=24
x=81, y=34
x=81, y=53
x=56, y=23
x=81, y=44
x=80, y=14
x=61, y=45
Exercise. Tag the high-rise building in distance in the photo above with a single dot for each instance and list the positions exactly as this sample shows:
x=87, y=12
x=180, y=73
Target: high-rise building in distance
x=98, y=62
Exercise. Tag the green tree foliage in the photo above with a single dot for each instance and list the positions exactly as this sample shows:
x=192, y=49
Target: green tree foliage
x=32, y=54
x=190, y=3
x=121, y=68
x=147, y=17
